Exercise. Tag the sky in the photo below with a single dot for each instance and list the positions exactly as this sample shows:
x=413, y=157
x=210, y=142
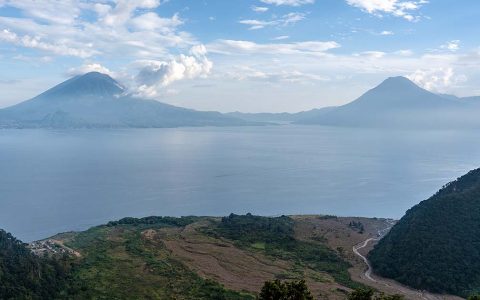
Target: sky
x=241, y=55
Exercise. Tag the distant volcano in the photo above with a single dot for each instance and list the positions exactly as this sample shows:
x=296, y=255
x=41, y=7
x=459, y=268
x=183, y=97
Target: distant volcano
x=398, y=102
x=97, y=100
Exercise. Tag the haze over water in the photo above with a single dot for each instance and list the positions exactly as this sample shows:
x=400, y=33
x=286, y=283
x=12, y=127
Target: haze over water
x=55, y=181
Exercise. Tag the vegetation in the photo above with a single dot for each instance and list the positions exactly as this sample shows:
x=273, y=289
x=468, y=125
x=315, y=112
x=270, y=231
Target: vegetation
x=435, y=246
x=278, y=290
x=154, y=220
x=276, y=235
x=129, y=259
x=369, y=294
x=26, y=276
x=357, y=226
x=120, y=263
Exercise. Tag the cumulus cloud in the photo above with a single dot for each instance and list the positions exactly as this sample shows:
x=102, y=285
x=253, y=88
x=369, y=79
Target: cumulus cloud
x=92, y=67
x=124, y=9
x=248, y=47
x=154, y=75
x=437, y=79
x=396, y=8
x=452, y=46
x=288, y=2
x=285, y=20
x=127, y=27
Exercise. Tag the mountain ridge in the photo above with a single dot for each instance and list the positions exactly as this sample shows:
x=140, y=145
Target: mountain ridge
x=97, y=100
x=398, y=102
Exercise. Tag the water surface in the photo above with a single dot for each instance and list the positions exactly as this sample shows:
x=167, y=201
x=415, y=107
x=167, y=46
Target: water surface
x=53, y=181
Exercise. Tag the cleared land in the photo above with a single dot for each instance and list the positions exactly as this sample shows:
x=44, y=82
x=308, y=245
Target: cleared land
x=230, y=257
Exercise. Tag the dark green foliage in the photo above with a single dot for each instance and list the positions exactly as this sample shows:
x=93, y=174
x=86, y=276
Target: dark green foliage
x=369, y=294
x=436, y=245
x=327, y=217
x=278, y=290
x=357, y=226
x=474, y=297
x=361, y=294
x=26, y=276
x=277, y=236
x=154, y=220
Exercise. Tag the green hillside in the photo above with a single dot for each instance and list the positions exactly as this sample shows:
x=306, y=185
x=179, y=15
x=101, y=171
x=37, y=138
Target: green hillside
x=26, y=276
x=436, y=245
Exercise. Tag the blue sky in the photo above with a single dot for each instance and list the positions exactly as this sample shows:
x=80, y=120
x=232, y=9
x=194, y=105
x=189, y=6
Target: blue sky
x=241, y=55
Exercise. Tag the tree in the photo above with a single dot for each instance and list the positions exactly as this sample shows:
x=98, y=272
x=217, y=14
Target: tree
x=369, y=294
x=278, y=290
x=361, y=294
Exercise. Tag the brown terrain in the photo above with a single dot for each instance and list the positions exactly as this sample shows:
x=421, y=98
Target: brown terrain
x=247, y=270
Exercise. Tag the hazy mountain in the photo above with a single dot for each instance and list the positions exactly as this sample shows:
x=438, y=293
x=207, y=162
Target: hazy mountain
x=280, y=117
x=97, y=100
x=436, y=245
x=398, y=102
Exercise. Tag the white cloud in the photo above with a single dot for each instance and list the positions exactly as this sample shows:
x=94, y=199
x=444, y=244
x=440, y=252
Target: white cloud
x=92, y=67
x=285, y=20
x=281, y=37
x=124, y=9
x=452, y=46
x=386, y=32
x=152, y=22
x=437, y=79
x=288, y=2
x=49, y=11
x=36, y=42
x=156, y=75
x=248, y=47
x=397, y=8
x=405, y=52
x=259, y=9
x=290, y=76
x=121, y=28
x=372, y=54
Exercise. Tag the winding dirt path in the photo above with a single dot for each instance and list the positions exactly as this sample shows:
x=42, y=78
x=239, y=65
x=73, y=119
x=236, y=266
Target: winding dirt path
x=409, y=293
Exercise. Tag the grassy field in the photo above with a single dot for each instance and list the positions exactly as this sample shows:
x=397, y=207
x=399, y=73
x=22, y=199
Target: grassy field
x=212, y=258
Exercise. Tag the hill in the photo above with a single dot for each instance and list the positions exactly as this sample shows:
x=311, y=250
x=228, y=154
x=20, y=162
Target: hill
x=206, y=257
x=97, y=100
x=436, y=245
x=280, y=118
x=26, y=276
x=398, y=102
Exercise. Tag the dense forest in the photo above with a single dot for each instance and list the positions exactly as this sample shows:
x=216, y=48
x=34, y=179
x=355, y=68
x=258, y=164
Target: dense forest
x=436, y=245
x=26, y=276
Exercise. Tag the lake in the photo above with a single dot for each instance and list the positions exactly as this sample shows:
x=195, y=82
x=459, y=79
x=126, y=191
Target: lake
x=59, y=180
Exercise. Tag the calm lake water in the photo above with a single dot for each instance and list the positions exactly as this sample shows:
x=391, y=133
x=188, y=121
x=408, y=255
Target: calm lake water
x=54, y=181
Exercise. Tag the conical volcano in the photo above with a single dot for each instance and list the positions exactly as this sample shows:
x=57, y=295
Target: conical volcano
x=97, y=100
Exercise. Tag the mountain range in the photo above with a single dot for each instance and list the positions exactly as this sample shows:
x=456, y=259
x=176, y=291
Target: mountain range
x=96, y=100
